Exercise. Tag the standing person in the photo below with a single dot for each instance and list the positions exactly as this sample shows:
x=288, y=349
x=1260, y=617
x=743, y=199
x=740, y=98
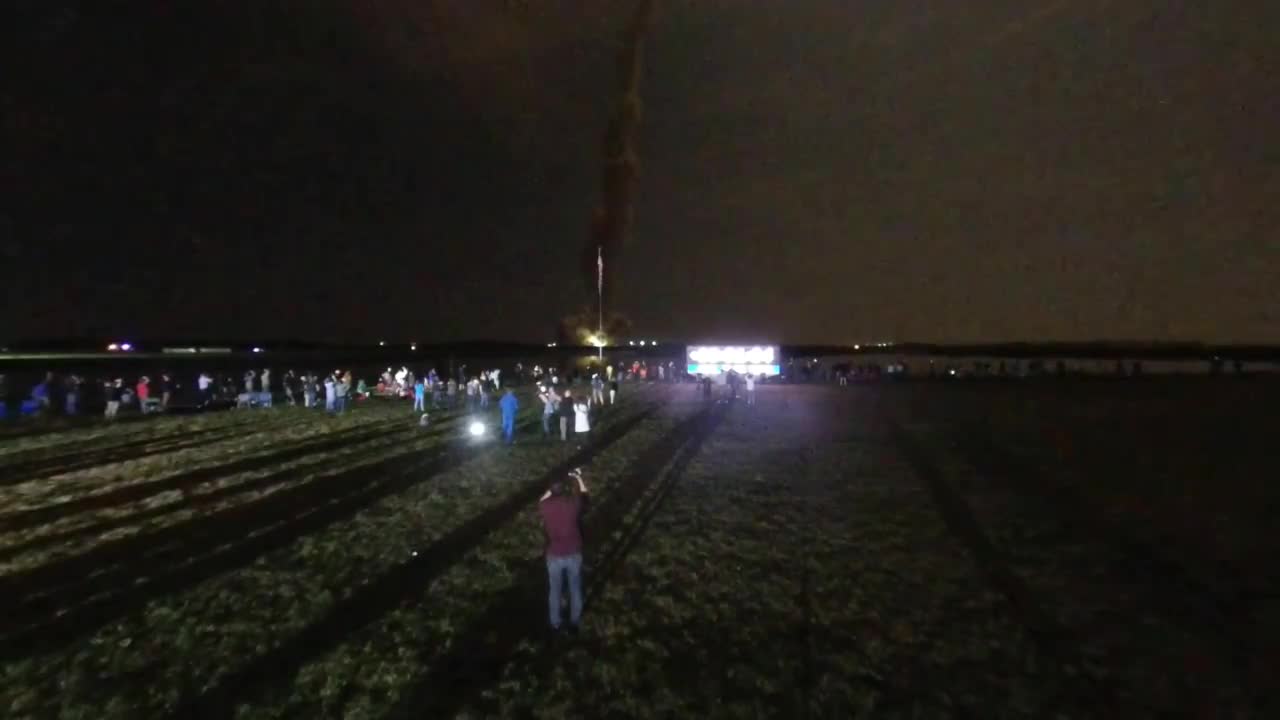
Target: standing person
x=265, y=378
x=549, y=404
x=566, y=416
x=115, y=393
x=613, y=390
x=473, y=394
x=308, y=390
x=582, y=417
x=597, y=389
x=509, y=405
x=419, y=395
x=452, y=394
x=561, y=510
x=203, y=383
x=342, y=391
x=330, y=394
x=166, y=390
x=248, y=381
x=72, y=405
x=144, y=394
x=751, y=389
x=40, y=394
x=288, y=382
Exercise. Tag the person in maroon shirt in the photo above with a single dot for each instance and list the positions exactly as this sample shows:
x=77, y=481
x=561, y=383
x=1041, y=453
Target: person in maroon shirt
x=561, y=510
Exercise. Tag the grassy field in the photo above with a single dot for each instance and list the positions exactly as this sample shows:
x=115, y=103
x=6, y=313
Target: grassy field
x=1073, y=549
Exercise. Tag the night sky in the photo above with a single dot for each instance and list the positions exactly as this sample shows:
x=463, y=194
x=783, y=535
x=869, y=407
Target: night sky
x=811, y=170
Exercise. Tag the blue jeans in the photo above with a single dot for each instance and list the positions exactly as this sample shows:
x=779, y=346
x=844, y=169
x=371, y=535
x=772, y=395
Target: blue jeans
x=419, y=402
x=509, y=427
x=557, y=567
x=546, y=423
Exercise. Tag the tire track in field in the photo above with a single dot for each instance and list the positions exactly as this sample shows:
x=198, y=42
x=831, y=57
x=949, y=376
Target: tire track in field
x=384, y=594
x=476, y=659
x=132, y=426
x=52, y=605
x=1054, y=640
x=1162, y=585
x=187, y=483
x=53, y=512
x=21, y=472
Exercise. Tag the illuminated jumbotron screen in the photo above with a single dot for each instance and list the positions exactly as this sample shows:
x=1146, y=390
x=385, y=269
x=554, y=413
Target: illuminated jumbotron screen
x=744, y=359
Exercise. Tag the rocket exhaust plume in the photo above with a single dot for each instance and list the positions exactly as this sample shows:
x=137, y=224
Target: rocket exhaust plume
x=612, y=218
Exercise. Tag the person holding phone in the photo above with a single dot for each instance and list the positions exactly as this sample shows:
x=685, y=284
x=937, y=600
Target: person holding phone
x=561, y=510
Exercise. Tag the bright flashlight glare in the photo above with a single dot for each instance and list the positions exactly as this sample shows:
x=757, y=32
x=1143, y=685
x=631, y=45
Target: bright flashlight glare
x=113, y=347
x=126, y=347
x=476, y=429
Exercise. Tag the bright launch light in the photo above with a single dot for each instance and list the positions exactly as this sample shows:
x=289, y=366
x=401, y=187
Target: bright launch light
x=744, y=359
x=476, y=428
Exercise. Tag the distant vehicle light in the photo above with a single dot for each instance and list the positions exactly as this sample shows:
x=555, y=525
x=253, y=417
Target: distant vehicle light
x=382, y=343
x=257, y=349
x=476, y=428
x=126, y=347
x=113, y=347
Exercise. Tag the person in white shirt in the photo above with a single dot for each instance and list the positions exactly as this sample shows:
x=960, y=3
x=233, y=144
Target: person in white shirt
x=751, y=389
x=330, y=394
x=581, y=421
x=204, y=382
x=549, y=404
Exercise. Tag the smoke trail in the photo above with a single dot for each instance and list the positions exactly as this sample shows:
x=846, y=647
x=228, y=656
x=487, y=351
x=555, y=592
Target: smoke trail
x=612, y=218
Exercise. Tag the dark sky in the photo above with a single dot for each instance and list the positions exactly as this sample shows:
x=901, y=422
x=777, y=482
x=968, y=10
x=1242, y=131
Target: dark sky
x=812, y=170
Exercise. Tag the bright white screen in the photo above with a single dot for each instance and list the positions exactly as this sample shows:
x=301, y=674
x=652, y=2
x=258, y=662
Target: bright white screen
x=744, y=359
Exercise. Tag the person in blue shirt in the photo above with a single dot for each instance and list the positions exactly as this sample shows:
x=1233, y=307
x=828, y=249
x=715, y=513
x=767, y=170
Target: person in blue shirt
x=509, y=405
x=419, y=395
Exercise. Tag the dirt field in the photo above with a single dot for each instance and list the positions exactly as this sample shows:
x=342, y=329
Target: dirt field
x=1057, y=549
